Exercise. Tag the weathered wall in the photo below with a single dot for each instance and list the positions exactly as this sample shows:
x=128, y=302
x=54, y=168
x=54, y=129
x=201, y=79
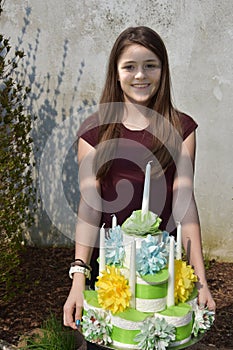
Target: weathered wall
x=67, y=43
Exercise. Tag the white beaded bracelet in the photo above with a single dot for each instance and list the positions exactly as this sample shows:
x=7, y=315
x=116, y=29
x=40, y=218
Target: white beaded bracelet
x=80, y=269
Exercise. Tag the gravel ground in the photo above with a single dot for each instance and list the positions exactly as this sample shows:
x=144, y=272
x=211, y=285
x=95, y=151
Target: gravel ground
x=42, y=285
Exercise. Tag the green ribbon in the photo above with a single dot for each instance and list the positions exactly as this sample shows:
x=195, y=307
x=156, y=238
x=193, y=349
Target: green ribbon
x=145, y=291
x=123, y=335
x=184, y=332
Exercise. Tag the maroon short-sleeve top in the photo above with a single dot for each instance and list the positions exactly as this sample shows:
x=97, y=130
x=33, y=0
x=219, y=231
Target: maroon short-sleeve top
x=122, y=190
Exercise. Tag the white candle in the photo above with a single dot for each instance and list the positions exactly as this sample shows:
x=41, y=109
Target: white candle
x=179, y=242
x=146, y=190
x=171, y=270
x=114, y=220
x=102, y=250
x=132, y=273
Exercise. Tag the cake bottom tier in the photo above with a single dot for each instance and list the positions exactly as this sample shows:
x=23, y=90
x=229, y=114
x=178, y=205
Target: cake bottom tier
x=125, y=326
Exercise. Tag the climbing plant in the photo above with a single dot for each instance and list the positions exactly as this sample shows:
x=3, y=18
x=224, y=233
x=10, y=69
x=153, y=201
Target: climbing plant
x=17, y=196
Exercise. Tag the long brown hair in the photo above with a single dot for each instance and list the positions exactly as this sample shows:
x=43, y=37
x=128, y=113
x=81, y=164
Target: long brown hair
x=110, y=114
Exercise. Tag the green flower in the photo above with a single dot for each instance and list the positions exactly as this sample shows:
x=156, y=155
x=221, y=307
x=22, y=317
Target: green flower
x=136, y=226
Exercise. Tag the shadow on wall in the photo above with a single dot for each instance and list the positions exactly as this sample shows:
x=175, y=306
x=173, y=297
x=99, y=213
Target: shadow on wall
x=54, y=135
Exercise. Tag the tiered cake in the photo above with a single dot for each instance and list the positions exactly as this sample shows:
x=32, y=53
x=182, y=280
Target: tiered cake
x=145, y=296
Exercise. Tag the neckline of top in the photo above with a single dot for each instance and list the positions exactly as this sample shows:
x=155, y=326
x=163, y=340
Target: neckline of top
x=133, y=130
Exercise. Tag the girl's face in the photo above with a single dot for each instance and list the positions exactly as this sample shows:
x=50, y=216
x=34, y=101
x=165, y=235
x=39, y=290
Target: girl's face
x=139, y=72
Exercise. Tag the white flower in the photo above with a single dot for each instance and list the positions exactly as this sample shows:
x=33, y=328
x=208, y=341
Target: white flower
x=155, y=333
x=203, y=320
x=96, y=327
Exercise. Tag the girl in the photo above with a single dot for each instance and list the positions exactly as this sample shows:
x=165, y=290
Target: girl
x=136, y=122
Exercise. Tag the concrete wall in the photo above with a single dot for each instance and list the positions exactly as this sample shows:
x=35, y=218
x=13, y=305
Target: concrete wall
x=67, y=43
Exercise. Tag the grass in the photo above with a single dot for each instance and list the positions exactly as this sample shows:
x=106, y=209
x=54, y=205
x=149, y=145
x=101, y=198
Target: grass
x=208, y=261
x=52, y=337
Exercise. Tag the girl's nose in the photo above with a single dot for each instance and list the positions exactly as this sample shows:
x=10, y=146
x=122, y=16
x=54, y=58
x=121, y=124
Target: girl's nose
x=140, y=73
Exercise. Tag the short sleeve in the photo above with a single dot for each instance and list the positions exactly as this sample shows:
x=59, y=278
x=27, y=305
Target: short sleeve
x=89, y=129
x=188, y=125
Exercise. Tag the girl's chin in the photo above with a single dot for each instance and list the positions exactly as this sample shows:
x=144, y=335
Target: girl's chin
x=140, y=100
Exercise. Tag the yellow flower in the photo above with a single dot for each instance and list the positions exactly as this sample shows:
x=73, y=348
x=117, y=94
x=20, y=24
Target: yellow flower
x=184, y=281
x=113, y=290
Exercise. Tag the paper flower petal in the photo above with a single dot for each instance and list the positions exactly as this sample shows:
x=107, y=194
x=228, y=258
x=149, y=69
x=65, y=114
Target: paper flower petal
x=203, y=320
x=114, y=248
x=136, y=226
x=113, y=290
x=184, y=281
x=155, y=333
x=97, y=327
x=151, y=257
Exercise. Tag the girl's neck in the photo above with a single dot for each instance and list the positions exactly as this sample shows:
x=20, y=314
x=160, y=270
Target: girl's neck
x=134, y=117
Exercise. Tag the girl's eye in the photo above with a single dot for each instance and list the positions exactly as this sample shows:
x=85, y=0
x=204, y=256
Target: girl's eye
x=151, y=66
x=146, y=67
x=129, y=67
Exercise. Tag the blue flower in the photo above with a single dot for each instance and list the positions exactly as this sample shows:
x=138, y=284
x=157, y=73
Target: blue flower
x=152, y=256
x=114, y=248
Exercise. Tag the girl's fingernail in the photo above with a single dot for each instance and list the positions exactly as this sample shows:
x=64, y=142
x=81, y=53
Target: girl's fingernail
x=77, y=322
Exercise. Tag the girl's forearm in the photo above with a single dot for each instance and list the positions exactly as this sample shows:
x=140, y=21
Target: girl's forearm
x=87, y=231
x=193, y=247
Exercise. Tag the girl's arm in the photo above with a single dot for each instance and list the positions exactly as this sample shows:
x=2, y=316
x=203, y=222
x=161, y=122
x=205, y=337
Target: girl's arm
x=87, y=229
x=185, y=211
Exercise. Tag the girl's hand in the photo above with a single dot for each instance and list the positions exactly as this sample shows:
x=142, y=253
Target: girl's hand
x=205, y=298
x=72, y=310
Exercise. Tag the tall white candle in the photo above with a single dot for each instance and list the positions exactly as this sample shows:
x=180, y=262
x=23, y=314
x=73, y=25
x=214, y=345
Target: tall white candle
x=114, y=220
x=132, y=273
x=171, y=270
x=146, y=190
x=179, y=242
x=102, y=250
